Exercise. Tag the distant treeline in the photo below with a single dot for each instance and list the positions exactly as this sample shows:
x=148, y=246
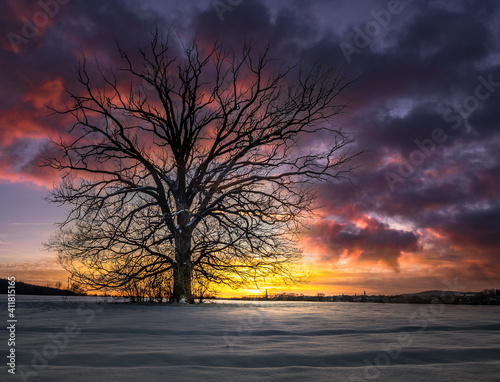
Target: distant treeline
x=486, y=297
x=25, y=288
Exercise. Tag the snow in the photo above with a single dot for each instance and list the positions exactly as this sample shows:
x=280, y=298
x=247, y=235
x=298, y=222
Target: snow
x=254, y=341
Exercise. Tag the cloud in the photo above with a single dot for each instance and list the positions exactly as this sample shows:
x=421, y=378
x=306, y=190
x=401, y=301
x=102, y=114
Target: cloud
x=48, y=94
x=41, y=272
x=366, y=240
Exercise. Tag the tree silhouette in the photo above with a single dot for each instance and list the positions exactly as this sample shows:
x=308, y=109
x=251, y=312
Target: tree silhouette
x=202, y=177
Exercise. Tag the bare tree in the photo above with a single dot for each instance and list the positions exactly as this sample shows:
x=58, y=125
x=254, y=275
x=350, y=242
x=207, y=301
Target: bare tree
x=151, y=288
x=203, y=175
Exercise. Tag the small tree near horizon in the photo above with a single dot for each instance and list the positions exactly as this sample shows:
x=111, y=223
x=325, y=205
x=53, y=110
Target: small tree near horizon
x=197, y=173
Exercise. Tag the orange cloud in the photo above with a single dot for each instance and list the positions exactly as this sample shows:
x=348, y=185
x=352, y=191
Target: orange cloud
x=41, y=272
x=48, y=94
x=17, y=123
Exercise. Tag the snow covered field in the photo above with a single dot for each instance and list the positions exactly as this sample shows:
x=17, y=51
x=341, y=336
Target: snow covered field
x=79, y=340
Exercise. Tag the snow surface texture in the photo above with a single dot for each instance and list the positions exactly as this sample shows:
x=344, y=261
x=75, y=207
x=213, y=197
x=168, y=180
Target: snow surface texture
x=70, y=340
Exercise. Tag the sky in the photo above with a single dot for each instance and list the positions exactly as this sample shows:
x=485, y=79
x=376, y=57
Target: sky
x=422, y=212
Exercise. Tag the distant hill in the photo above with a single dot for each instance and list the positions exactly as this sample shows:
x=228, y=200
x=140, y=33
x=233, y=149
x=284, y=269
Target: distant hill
x=24, y=288
x=431, y=293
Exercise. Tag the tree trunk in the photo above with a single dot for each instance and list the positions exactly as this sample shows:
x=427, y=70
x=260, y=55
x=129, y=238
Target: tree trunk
x=183, y=270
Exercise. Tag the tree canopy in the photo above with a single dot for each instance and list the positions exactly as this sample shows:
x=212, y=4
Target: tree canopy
x=190, y=165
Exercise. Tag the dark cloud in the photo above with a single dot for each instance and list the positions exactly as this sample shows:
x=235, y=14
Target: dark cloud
x=370, y=241
x=472, y=227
